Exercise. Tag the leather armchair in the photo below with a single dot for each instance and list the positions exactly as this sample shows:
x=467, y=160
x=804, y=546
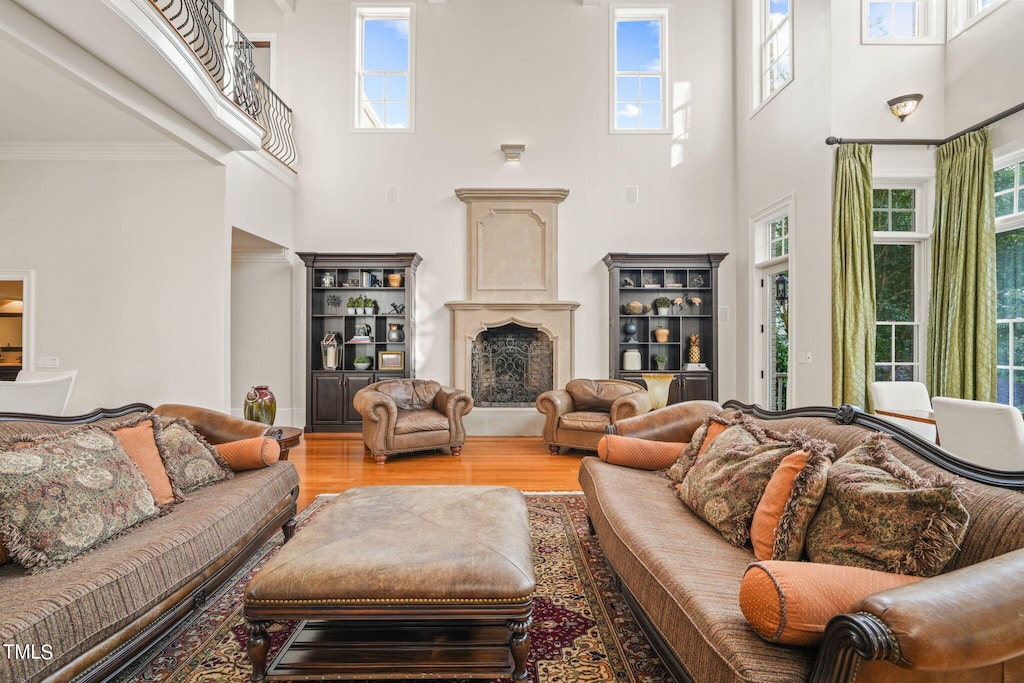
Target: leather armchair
x=577, y=416
x=406, y=415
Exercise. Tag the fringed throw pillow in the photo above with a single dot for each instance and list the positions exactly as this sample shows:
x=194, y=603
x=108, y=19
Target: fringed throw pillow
x=190, y=461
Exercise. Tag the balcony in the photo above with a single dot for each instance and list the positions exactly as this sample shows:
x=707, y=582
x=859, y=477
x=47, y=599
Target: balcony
x=227, y=57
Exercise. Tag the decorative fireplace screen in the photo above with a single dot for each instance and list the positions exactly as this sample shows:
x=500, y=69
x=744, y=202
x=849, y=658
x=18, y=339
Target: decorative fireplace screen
x=511, y=365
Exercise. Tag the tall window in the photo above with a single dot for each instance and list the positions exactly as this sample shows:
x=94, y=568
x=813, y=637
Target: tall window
x=773, y=60
x=1009, y=186
x=640, y=78
x=902, y=21
x=900, y=272
x=384, y=42
x=772, y=242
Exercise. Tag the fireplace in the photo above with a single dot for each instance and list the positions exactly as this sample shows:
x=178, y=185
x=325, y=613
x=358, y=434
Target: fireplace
x=511, y=366
x=512, y=290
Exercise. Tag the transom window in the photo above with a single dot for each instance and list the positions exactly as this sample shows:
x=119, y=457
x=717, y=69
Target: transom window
x=902, y=21
x=773, y=50
x=778, y=237
x=640, y=75
x=1009, y=186
x=384, y=68
x=900, y=281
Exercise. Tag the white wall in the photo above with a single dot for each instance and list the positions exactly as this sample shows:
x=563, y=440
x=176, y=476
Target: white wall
x=130, y=258
x=530, y=71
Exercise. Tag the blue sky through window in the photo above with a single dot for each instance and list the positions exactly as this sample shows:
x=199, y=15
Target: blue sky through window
x=638, y=83
x=385, y=71
x=892, y=19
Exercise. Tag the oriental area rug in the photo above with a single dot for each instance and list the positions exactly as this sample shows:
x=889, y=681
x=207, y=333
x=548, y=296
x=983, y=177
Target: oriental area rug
x=582, y=631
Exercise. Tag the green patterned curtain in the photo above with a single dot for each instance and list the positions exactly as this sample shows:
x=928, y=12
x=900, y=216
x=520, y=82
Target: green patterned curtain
x=853, y=277
x=962, y=312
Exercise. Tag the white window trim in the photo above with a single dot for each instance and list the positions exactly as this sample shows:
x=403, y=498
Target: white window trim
x=758, y=21
x=1014, y=220
x=662, y=13
x=960, y=17
x=394, y=10
x=921, y=239
x=758, y=315
x=933, y=13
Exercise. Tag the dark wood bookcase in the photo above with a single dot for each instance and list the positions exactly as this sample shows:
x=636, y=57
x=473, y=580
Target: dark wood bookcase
x=331, y=280
x=642, y=279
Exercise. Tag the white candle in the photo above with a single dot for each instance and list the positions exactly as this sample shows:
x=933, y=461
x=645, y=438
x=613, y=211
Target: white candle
x=332, y=357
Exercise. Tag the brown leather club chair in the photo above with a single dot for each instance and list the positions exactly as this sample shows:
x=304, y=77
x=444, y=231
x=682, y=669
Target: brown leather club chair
x=406, y=415
x=576, y=416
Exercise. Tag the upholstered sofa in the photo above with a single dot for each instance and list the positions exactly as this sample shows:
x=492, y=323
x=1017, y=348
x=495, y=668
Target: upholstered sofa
x=408, y=415
x=682, y=579
x=577, y=416
x=86, y=620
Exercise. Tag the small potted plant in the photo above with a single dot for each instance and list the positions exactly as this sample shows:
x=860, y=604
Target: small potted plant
x=662, y=303
x=371, y=306
x=659, y=361
x=361, y=362
x=351, y=305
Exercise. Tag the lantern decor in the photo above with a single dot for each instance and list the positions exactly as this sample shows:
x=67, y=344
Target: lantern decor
x=329, y=351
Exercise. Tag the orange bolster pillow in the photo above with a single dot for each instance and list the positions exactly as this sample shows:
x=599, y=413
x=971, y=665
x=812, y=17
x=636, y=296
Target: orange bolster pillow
x=639, y=453
x=250, y=454
x=792, y=602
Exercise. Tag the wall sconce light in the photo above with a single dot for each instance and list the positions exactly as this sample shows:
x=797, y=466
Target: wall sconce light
x=513, y=152
x=904, y=105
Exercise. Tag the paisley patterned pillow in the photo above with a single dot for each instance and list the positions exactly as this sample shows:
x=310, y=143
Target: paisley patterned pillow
x=725, y=483
x=877, y=513
x=64, y=494
x=190, y=461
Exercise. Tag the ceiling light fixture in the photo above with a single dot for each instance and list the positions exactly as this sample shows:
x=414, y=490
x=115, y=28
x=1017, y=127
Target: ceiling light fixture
x=904, y=105
x=513, y=152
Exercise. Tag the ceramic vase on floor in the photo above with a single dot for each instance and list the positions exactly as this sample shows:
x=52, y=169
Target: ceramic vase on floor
x=260, y=405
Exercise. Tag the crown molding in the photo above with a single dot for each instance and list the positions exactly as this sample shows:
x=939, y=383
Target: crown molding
x=95, y=151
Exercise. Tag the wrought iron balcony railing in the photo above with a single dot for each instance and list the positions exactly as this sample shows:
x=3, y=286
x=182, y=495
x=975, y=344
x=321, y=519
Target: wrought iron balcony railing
x=227, y=56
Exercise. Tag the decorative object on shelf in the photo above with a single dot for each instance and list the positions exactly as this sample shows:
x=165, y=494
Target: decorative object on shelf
x=659, y=361
x=662, y=303
x=395, y=333
x=261, y=404
x=327, y=279
x=631, y=359
x=694, y=348
x=634, y=308
x=329, y=351
x=697, y=280
x=394, y=279
x=630, y=329
x=391, y=360
x=661, y=334
x=651, y=282
x=350, y=306
x=351, y=282
x=677, y=304
x=628, y=282
x=657, y=388
x=363, y=330
x=362, y=362
x=694, y=301
x=398, y=309
x=333, y=302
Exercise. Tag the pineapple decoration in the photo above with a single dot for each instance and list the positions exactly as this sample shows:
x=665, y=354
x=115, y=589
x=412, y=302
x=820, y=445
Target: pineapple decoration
x=694, y=348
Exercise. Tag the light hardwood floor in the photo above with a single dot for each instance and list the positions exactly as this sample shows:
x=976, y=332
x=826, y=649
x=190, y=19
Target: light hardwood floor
x=331, y=463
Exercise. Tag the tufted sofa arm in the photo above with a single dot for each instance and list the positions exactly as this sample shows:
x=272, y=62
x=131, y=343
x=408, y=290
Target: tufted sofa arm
x=214, y=426
x=676, y=422
x=965, y=619
x=380, y=415
x=454, y=403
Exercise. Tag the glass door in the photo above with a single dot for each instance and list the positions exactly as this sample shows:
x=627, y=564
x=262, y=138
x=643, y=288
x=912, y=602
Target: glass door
x=776, y=336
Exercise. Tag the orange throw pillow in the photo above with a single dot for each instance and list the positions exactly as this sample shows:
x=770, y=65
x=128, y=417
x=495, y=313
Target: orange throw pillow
x=778, y=529
x=642, y=454
x=792, y=602
x=139, y=442
x=250, y=454
x=714, y=429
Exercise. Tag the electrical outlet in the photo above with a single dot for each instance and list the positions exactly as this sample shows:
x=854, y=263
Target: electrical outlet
x=48, y=362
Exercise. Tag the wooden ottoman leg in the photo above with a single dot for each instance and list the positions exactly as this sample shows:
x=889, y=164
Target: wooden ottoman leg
x=519, y=643
x=259, y=645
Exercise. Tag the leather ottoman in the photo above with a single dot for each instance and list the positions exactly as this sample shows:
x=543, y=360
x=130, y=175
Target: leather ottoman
x=400, y=582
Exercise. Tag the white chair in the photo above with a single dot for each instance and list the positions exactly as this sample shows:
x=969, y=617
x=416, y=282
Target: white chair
x=987, y=434
x=908, y=396
x=42, y=393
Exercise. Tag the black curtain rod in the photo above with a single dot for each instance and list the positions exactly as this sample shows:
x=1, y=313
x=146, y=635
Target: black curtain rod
x=832, y=140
